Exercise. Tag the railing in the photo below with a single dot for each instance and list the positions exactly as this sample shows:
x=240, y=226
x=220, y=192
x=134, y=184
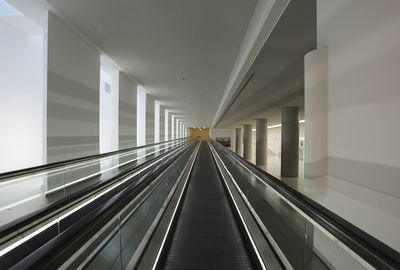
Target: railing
x=20, y=193
x=304, y=234
x=11, y=174
x=53, y=236
x=120, y=243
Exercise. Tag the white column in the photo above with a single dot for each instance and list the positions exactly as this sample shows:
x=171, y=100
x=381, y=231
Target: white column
x=167, y=125
x=150, y=112
x=141, y=116
x=315, y=111
x=127, y=112
x=176, y=128
x=157, y=121
x=162, y=123
x=173, y=127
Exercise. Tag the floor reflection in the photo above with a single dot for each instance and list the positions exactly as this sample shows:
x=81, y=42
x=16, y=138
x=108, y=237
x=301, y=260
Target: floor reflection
x=374, y=212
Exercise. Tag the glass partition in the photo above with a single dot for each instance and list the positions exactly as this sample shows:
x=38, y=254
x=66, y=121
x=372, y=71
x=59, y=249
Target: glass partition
x=123, y=242
x=24, y=194
x=300, y=242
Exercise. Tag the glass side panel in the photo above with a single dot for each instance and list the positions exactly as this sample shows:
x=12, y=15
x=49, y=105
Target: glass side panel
x=135, y=225
x=303, y=245
x=25, y=194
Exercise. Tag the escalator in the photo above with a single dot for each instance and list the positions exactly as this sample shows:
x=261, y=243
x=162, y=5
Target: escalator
x=93, y=184
x=206, y=235
x=189, y=206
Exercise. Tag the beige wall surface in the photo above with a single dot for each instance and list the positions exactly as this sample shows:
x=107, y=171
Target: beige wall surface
x=202, y=135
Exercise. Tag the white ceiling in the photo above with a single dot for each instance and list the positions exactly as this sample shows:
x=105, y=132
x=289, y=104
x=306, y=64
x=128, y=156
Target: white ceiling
x=181, y=51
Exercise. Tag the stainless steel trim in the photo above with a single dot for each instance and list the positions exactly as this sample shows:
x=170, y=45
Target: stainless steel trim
x=328, y=234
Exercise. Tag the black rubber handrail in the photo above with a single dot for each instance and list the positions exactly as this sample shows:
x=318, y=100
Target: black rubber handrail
x=6, y=175
x=45, y=210
x=82, y=228
x=372, y=250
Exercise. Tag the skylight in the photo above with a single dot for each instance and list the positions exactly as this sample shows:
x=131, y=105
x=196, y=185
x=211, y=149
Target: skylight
x=8, y=10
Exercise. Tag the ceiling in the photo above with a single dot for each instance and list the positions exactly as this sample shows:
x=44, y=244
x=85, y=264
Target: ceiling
x=181, y=51
x=276, y=77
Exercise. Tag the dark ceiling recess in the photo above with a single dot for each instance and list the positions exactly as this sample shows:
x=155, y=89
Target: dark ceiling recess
x=279, y=69
x=237, y=94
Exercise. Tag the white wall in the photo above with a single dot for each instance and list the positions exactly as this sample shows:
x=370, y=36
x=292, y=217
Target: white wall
x=176, y=134
x=167, y=125
x=363, y=89
x=141, y=116
x=106, y=102
x=127, y=111
x=22, y=100
x=109, y=101
x=172, y=126
x=157, y=121
x=363, y=42
x=73, y=77
x=150, y=112
x=162, y=121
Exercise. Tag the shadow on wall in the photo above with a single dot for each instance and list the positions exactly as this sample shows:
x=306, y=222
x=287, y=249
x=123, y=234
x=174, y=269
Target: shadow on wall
x=199, y=134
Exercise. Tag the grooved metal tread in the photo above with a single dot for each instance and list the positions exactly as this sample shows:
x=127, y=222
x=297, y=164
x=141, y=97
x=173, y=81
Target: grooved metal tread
x=206, y=235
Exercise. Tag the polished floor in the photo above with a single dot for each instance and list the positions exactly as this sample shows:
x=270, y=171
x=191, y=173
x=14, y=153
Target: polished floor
x=374, y=212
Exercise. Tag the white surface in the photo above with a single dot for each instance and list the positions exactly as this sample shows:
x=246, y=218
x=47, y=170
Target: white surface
x=162, y=122
x=109, y=102
x=167, y=124
x=141, y=116
x=157, y=121
x=127, y=111
x=160, y=43
x=73, y=77
x=363, y=80
x=173, y=127
x=8, y=10
x=150, y=124
x=22, y=106
x=315, y=107
x=363, y=108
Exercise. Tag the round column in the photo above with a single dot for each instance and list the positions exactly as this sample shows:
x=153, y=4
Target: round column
x=247, y=141
x=290, y=142
x=239, y=141
x=315, y=112
x=261, y=141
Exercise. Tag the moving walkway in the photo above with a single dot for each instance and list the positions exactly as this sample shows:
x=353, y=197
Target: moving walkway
x=196, y=206
x=32, y=220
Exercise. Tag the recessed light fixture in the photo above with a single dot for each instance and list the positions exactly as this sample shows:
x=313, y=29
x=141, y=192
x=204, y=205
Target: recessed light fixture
x=279, y=125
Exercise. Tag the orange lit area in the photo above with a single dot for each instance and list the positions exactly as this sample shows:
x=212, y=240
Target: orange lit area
x=199, y=134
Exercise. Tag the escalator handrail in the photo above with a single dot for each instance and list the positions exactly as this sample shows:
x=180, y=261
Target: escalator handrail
x=374, y=251
x=45, y=210
x=5, y=176
x=59, y=241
